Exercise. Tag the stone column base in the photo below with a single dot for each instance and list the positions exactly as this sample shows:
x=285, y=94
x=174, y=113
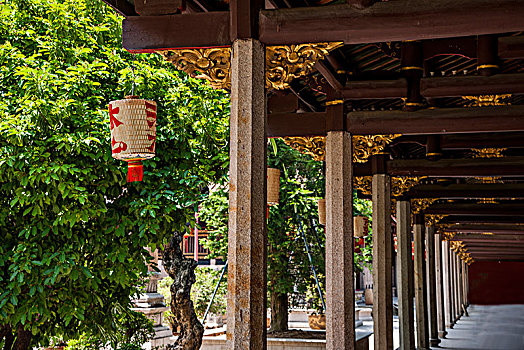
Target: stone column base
x=442, y=334
x=434, y=342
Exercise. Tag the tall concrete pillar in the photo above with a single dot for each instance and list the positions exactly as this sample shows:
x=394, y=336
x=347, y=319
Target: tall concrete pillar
x=405, y=276
x=420, y=283
x=446, y=276
x=439, y=279
x=340, y=308
x=432, y=286
x=382, y=245
x=246, y=306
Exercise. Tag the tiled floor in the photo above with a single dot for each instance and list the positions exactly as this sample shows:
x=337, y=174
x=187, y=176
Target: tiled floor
x=493, y=327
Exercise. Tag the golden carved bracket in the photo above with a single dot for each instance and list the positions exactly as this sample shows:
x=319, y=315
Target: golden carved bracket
x=418, y=205
x=401, y=185
x=433, y=219
x=486, y=100
x=462, y=251
x=488, y=152
x=364, y=146
x=314, y=146
x=212, y=64
x=363, y=184
x=283, y=63
x=446, y=234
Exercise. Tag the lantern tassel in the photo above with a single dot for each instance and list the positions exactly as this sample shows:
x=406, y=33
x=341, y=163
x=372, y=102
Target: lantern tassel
x=135, y=171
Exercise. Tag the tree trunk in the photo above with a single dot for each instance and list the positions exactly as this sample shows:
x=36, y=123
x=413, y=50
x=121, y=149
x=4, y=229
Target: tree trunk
x=279, y=312
x=4, y=330
x=23, y=339
x=182, y=271
x=9, y=337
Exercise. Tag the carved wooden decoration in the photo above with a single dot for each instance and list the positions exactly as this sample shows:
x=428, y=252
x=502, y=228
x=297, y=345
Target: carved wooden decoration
x=213, y=64
x=364, y=146
x=486, y=100
x=283, y=63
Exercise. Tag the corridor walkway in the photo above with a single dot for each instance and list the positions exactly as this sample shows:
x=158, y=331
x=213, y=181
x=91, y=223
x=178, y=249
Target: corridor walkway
x=488, y=327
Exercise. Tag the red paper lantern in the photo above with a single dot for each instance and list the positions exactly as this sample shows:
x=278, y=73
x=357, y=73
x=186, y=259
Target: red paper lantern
x=133, y=133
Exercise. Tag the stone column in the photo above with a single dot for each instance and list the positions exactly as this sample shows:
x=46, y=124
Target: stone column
x=439, y=278
x=446, y=277
x=467, y=283
x=452, y=286
x=432, y=287
x=405, y=276
x=456, y=277
x=382, y=271
x=340, y=308
x=461, y=283
x=247, y=246
x=420, y=283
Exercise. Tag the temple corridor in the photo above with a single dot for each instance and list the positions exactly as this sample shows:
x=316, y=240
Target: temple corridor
x=488, y=327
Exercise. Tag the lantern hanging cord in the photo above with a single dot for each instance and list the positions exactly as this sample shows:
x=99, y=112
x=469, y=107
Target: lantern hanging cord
x=133, y=73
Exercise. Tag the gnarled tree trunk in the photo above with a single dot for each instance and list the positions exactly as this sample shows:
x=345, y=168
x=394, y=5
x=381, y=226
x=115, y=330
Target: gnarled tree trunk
x=182, y=271
x=23, y=339
x=279, y=312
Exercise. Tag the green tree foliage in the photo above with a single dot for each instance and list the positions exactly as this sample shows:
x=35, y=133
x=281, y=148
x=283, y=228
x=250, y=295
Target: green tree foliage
x=72, y=231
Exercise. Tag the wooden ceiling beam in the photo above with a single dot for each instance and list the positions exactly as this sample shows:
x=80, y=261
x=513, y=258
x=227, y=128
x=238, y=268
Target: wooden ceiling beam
x=495, y=238
x=154, y=33
x=484, y=140
x=437, y=121
x=296, y=124
x=456, y=191
x=423, y=122
x=481, y=167
x=384, y=21
x=472, y=219
x=459, y=168
x=498, y=258
x=474, y=209
x=472, y=85
x=391, y=21
x=491, y=228
x=471, y=244
x=432, y=87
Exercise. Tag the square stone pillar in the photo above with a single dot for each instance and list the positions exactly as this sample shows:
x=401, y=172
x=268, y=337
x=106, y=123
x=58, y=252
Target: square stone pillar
x=431, y=285
x=456, y=286
x=382, y=246
x=420, y=283
x=247, y=246
x=446, y=276
x=405, y=276
x=439, y=279
x=340, y=308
